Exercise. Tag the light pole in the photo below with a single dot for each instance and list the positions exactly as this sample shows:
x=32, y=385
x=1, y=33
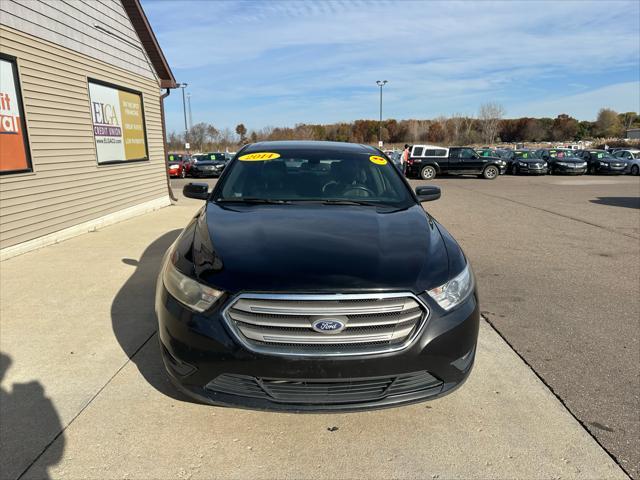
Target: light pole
x=380, y=83
x=189, y=109
x=184, y=110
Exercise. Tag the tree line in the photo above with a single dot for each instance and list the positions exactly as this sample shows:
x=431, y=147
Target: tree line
x=488, y=127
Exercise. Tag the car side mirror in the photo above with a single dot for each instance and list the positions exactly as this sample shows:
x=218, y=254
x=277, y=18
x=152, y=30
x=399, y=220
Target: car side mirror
x=199, y=191
x=428, y=193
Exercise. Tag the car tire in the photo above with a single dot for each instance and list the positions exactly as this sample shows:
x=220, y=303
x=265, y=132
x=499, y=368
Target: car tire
x=635, y=170
x=428, y=173
x=491, y=172
x=514, y=169
x=183, y=173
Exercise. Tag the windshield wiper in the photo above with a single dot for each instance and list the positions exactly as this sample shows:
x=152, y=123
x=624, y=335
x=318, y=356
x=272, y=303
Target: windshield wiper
x=349, y=202
x=270, y=201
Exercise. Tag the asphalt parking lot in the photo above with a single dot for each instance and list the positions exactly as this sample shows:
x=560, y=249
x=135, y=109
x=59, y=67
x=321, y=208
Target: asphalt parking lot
x=558, y=264
x=84, y=394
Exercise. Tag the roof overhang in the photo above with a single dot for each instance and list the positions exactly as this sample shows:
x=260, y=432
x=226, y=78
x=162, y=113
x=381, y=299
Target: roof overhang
x=149, y=42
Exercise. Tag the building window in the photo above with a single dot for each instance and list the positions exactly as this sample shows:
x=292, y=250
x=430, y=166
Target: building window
x=118, y=123
x=14, y=144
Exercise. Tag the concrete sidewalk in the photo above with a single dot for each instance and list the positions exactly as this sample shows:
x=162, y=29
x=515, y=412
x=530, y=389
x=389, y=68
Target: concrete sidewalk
x=84, y=394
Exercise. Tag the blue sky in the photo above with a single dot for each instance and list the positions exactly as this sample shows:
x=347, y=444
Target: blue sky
x=276, y=63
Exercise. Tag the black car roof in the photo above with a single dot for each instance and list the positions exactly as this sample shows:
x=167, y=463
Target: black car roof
x=309, y=145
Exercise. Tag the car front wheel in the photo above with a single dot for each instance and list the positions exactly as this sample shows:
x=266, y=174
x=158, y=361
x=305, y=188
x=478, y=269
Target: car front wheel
x=491, y=172
x=428, y=172
x=635, y=170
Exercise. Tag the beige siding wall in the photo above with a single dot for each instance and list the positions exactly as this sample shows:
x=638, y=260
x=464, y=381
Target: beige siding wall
x=97, y=28
x=67, y=186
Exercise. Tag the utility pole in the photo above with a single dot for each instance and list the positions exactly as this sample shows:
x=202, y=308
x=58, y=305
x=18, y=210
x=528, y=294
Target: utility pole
x=189, y=109
x=380, y=83
x=184, y=110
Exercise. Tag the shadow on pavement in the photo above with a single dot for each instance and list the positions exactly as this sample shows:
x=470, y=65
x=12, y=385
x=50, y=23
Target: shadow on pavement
x=133, y=317
x=29, y=423
x=628, y=202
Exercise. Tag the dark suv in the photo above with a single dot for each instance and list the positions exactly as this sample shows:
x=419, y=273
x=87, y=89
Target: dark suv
x=427, y=161
x=313, y=279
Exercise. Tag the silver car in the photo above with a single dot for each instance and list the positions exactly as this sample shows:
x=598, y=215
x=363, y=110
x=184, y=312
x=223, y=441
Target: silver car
x=632, y=157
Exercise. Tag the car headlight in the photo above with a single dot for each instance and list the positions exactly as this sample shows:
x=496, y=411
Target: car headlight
x=523, y=164
x=188, y=291
x=562, y=164
x=455, y=291
x=604, y=164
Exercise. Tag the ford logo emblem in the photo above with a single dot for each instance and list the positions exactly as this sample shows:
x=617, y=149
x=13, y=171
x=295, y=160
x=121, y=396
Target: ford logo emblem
x=328, y=325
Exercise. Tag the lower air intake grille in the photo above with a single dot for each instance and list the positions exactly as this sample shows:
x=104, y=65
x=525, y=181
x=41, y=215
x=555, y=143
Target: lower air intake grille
x=323, y=391
x=321, y=325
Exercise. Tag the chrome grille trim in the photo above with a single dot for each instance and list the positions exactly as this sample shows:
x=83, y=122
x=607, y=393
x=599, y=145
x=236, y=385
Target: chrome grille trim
x=281, y=324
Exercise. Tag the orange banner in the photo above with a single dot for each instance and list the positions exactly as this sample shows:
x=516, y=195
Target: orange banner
x=13, y=155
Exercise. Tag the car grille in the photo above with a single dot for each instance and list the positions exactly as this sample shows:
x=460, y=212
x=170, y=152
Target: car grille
x=320, y=391
x=284, y=324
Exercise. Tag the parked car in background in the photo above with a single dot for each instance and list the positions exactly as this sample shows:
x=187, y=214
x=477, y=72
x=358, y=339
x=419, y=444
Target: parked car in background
x=177, y=168
x=250, y=314
x=521, y=162
x=179, y=164
x=209, y=165
x=563, y=161
x=632, y=157
x=602, y=162
x=427, y=161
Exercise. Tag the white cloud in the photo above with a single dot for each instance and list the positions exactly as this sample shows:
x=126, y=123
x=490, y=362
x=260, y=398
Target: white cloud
x=312, y=61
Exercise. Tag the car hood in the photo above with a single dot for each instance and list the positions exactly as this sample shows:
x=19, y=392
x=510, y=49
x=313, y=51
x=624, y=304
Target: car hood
x=318, y=248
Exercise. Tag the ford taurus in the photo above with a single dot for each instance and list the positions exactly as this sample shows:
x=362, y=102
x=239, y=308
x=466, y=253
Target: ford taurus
x=313, y=279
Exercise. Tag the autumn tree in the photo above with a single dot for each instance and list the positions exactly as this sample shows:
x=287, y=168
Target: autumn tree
x=564, y=127
x=608, y=124
x=490, y=115
x=241, y=130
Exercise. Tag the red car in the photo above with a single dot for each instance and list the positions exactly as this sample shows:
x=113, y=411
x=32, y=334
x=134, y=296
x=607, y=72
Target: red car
x=177, y=169
x=178, y=165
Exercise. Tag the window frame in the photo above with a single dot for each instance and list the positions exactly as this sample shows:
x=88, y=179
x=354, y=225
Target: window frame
x=23, y=117
x=103, y=83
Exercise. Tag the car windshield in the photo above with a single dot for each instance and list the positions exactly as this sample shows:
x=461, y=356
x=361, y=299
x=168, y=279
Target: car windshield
x=216, y=157
x=602, y=155
x=314, y=175
x=525, y=154
x=561, y=153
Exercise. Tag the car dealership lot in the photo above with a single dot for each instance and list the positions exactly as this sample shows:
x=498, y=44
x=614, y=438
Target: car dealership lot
x=552, y=255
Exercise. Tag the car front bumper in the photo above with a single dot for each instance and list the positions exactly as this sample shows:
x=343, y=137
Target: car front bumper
x=610, y=170
x=205, y=360
x=569, y=170
x=532, y=171
x=206, y=173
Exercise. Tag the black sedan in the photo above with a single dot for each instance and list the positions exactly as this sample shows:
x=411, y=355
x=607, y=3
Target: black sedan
x=313, y=279
x=602, y=162
x=209, y=165
x=521, y=162
x=563, y=161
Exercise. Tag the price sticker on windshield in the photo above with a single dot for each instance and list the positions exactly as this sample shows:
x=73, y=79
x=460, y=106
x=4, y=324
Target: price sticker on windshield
x=378, y=160
x=259, y=156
